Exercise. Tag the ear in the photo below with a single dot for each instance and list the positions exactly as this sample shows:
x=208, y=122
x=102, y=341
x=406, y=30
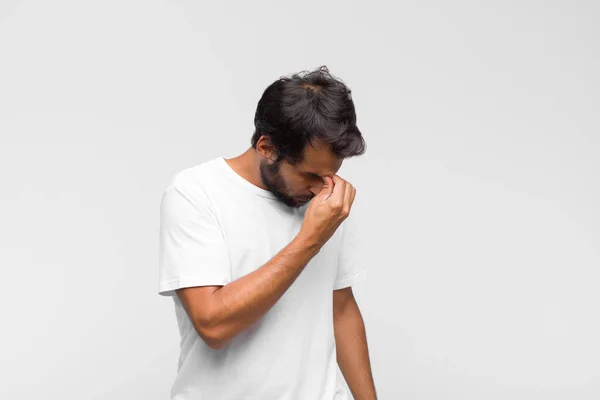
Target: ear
x=265, y=148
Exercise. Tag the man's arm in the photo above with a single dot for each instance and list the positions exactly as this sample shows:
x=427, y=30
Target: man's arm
x=351, y=345
x=219, y=313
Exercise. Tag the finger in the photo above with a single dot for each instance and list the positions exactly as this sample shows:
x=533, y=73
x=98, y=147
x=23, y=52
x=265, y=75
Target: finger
x=337, y=179
x=348, y=196
x=339, y=188
x=327, y=188
x=353, y=196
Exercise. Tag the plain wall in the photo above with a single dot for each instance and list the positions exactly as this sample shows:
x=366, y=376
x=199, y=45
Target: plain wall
x=478, y=194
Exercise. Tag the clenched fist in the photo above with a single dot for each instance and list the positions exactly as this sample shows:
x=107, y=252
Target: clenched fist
x=327, y=210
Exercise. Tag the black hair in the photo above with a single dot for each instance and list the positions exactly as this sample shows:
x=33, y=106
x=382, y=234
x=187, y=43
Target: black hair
x=306, y=107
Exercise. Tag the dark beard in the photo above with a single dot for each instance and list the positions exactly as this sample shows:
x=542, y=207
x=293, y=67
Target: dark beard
x=269, y=175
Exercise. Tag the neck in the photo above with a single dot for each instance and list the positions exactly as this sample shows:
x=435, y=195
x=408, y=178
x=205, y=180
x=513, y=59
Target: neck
x=247, y=165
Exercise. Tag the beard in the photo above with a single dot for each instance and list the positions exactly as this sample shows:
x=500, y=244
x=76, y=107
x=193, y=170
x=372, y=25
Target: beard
x=271, y=178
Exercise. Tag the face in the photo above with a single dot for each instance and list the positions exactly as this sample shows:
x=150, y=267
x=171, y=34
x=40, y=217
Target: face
x=296, y=185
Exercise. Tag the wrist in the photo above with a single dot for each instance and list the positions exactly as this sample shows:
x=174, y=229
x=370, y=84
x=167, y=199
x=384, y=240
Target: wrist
x=307, y=242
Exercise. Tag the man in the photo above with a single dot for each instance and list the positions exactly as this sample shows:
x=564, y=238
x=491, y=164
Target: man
x=256, y=252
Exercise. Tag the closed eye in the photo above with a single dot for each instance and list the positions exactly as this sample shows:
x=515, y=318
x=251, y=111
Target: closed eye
x=312, y=176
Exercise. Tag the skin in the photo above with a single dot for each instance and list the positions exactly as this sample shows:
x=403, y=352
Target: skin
x=219, y=313
x=293, y=185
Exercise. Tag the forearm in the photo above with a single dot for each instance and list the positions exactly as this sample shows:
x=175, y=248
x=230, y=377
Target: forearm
x=353, y=354
x=240, y=303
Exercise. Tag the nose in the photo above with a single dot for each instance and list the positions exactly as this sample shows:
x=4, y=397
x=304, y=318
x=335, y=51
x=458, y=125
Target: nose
x=316, y=188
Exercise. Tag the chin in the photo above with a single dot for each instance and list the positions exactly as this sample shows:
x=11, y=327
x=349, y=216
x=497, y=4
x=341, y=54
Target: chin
x=302, y=203
x=295, y=204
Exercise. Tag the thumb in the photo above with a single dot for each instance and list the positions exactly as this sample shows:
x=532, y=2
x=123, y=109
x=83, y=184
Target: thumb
x=327, y=188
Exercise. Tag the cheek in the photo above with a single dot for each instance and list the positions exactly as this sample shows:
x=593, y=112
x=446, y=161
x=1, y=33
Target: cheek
x=294, y=185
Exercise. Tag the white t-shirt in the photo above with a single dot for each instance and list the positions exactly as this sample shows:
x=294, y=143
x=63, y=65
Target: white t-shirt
x=216, y=227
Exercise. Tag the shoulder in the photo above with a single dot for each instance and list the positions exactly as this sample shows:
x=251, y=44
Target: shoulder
x=192, y=182
x=194, y=178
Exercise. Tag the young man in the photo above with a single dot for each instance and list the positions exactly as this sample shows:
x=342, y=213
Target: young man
x=256, y=252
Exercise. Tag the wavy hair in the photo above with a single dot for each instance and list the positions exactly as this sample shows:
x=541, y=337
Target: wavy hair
x=308, y=107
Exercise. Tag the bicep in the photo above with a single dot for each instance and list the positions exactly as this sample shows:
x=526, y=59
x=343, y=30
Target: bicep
x=342, y=298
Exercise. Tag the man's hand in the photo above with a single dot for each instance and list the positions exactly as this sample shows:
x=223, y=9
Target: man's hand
x=327, y=210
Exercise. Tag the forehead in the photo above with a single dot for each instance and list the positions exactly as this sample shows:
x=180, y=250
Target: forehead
x=319, y=160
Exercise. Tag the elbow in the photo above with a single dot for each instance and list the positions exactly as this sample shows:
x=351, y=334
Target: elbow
x=216, y=346
x=209, y=333
x=213, y=341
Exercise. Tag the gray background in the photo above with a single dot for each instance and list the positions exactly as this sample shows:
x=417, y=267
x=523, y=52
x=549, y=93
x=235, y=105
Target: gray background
x=478, y=195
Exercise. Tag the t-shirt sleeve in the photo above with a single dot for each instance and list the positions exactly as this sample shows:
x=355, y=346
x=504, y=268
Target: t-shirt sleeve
x=192, y=249
x=350, y=270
